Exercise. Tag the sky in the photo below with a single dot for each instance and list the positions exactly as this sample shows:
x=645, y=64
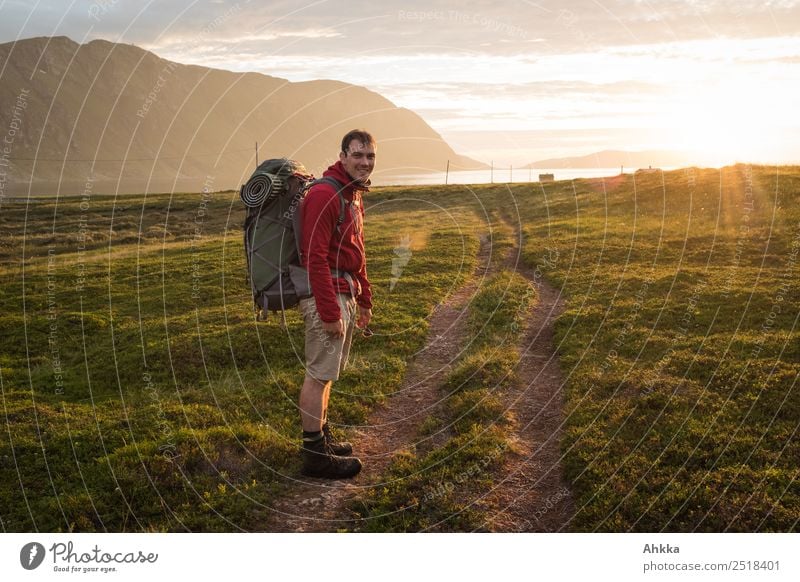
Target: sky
x=509, y=81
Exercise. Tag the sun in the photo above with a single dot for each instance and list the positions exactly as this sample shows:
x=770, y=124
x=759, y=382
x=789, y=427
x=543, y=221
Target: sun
x=725, y=123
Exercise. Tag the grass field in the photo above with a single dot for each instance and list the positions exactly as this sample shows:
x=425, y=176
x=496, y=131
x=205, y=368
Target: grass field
x=680, y=347
x=139, y=394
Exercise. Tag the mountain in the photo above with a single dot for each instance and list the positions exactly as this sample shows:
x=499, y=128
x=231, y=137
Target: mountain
x=616, y=158
x=126, y=120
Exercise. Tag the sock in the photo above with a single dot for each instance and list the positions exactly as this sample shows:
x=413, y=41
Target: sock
x=313, y=436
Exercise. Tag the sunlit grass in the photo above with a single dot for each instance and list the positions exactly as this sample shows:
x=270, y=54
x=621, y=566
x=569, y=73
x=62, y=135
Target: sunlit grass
x=139, y=391
x=140, y=394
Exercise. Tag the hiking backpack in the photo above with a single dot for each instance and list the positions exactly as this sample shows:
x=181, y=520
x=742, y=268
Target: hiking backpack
x=272, y=233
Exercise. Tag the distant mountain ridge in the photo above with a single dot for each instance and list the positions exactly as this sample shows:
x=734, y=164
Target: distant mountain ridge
x=128, y=120
x=616, y=158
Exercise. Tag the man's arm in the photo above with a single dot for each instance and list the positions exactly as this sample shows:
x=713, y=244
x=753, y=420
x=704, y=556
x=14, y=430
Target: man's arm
x=364, y=298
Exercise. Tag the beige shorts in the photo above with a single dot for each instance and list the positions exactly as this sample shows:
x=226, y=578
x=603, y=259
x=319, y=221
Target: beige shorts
x=326, y=356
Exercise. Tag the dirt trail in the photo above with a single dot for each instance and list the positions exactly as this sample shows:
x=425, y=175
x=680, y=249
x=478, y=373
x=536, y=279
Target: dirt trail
x=530, y=493
x=319, y=505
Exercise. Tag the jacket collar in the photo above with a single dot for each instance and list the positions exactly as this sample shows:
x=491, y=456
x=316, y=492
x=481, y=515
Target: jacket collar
x=338, y=172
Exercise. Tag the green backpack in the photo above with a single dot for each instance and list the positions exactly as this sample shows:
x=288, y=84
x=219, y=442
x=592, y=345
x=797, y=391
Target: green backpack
x=272, y=233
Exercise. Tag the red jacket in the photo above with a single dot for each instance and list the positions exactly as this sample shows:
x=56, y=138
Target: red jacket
x=323, y=247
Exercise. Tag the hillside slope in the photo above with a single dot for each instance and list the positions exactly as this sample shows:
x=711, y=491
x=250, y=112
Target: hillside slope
x=123, y=117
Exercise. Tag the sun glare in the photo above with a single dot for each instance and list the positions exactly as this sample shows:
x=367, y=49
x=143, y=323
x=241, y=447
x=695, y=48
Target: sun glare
x=724, y=124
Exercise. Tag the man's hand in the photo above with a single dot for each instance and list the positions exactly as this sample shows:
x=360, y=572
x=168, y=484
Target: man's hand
x=364, y=316
x=335, y=328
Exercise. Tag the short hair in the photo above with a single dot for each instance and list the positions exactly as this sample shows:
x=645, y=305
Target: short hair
x=358, y=134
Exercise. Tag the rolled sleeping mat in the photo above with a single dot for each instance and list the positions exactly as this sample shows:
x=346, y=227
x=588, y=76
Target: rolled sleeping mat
x=261, y=188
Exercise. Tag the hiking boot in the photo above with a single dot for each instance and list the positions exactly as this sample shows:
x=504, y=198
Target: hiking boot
x=339, y=449
x=319, y=461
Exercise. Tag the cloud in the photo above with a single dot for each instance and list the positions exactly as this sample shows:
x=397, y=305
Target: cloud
x=568, y=88
x=185, y=48
x=498, y=28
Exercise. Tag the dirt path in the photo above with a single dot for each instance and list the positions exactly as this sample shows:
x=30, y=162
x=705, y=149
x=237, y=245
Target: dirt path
x=530, y=494
x=319, y=505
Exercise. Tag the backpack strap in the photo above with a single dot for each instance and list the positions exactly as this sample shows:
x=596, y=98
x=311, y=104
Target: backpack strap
x=339, y=187
x=297, y=223
x=347, y=277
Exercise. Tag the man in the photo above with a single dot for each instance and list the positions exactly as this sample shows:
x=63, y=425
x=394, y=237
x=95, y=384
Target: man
x=333, y=253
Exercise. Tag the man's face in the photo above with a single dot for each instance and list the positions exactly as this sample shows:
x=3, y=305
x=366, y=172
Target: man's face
x=359, y=160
